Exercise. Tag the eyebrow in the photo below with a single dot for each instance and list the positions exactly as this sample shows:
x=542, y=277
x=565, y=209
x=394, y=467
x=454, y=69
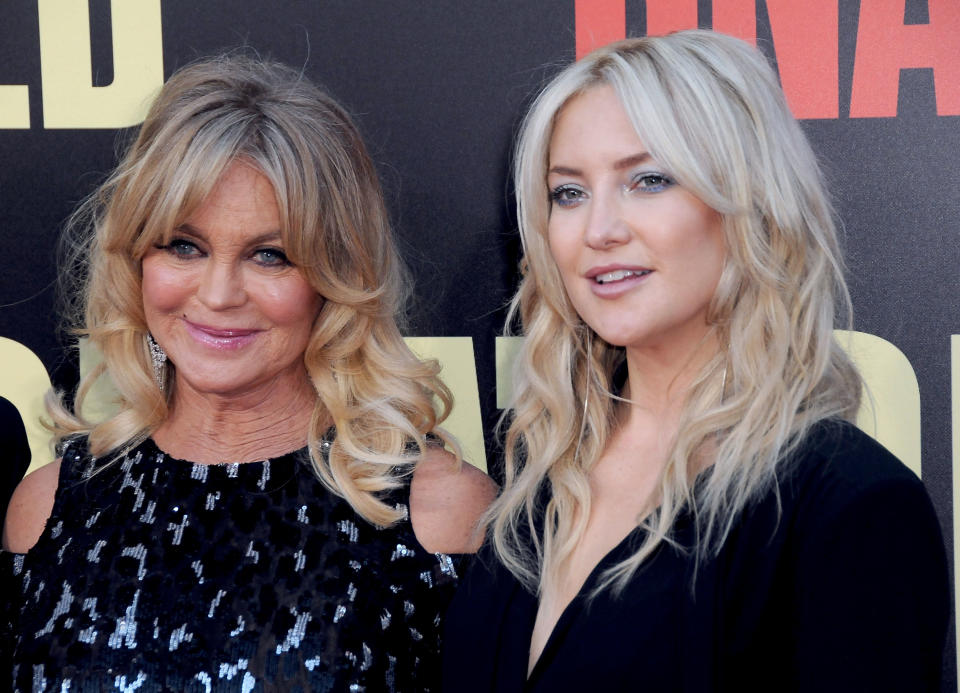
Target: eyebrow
x=619, y=165
x=268, y=237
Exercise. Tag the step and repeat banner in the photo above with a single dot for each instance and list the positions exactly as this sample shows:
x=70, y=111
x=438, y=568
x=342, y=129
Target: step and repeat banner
x=438, y=88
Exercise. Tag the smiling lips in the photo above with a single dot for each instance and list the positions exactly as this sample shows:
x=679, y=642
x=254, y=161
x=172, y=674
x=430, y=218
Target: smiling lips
x=612, y=282
x=619, y=275
x=226, y=339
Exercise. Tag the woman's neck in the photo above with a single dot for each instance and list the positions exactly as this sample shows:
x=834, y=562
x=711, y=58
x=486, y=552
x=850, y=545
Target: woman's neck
x=258, y=425
x=659, y=378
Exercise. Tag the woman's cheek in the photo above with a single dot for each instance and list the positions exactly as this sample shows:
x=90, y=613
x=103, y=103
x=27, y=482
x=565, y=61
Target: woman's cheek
x=164, y=288
x=287, y=301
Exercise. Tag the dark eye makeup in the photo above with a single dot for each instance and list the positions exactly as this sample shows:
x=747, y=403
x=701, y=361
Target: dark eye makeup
x=270, y=257
x=181, y=247
x=567, y=195
x=651, y=181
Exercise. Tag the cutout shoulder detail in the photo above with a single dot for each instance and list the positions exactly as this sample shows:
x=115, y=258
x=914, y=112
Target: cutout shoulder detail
x=30, y=508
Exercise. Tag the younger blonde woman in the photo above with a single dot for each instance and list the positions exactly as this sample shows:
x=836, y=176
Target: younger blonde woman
x=687, y=507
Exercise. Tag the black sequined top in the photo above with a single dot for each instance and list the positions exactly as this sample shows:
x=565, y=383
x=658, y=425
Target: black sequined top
x=159, y=574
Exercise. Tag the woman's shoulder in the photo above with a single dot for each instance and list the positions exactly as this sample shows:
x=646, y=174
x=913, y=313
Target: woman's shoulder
x=848, y=492
x=838, y=462
x=868, y=568
x=447, y=500
x=34, y=497
x=30, y=508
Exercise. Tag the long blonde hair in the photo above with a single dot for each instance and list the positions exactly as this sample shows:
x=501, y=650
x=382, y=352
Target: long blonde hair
x=335, y=230
x=709, y=109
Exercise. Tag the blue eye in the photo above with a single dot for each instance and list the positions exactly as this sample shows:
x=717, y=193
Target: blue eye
x=270, y=257
x=180, y=247
x=651, y=181
x=567, y=195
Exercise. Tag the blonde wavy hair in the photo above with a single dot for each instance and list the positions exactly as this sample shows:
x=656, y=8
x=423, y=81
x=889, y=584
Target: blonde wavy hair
x=377, y=393
x=710, y=110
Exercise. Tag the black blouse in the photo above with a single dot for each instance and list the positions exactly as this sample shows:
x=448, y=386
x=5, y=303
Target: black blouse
x=842, y=588
x=157, y=574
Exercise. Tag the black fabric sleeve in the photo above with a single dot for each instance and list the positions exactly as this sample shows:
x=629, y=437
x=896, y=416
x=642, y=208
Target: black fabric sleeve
x=15, y=451
x=9, y=603
x=872, y=593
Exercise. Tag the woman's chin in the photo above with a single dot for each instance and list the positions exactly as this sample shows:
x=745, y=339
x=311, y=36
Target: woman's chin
x=226, y=384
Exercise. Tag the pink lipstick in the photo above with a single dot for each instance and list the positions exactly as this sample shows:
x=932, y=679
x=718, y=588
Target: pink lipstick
x=612, y=281
x=226, y=339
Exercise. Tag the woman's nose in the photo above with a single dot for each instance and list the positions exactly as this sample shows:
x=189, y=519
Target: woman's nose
x=221, y=286
x=606, y=226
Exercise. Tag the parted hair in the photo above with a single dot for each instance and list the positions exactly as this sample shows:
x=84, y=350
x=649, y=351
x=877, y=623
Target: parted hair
x=709, y=109
x=334, y=228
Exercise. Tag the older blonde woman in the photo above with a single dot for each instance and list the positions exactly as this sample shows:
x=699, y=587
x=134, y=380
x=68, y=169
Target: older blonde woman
x=687, y=507
x=266, y=510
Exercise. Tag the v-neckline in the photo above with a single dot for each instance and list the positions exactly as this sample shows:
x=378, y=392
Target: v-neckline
x=569, y=611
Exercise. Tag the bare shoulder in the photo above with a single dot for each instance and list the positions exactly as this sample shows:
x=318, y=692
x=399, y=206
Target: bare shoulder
x=30, y=508
x=447, y=500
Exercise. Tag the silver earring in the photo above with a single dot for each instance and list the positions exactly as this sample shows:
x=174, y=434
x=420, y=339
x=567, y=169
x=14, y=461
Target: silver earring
x=723, y=383
x=159, y=358
x=586, y=397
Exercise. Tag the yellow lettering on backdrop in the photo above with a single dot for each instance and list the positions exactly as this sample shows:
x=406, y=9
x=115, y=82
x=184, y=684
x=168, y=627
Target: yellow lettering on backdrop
x=506, y=350
x=890, y=411
x=14, y=107
x=24, y=381
x=456, y=357
x=69, y=98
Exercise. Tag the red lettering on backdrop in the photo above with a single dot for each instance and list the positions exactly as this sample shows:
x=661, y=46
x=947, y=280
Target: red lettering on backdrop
x=598, y=22
x=664, y=16
x=737, y=18
x=806, y=38
x=885, y=45
x=603, y=21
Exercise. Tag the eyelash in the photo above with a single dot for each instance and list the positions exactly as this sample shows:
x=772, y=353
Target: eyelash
x=557, y=195
x=662, y=182
x=184, y=249
x=176, y=245
x=281, y=257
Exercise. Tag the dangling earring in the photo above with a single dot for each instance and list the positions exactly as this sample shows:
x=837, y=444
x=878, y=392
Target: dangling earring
x=586, y=397
x=723, y=383
x=159, y=358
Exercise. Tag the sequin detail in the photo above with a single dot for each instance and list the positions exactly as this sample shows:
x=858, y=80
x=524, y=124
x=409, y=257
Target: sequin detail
x=158, y=574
